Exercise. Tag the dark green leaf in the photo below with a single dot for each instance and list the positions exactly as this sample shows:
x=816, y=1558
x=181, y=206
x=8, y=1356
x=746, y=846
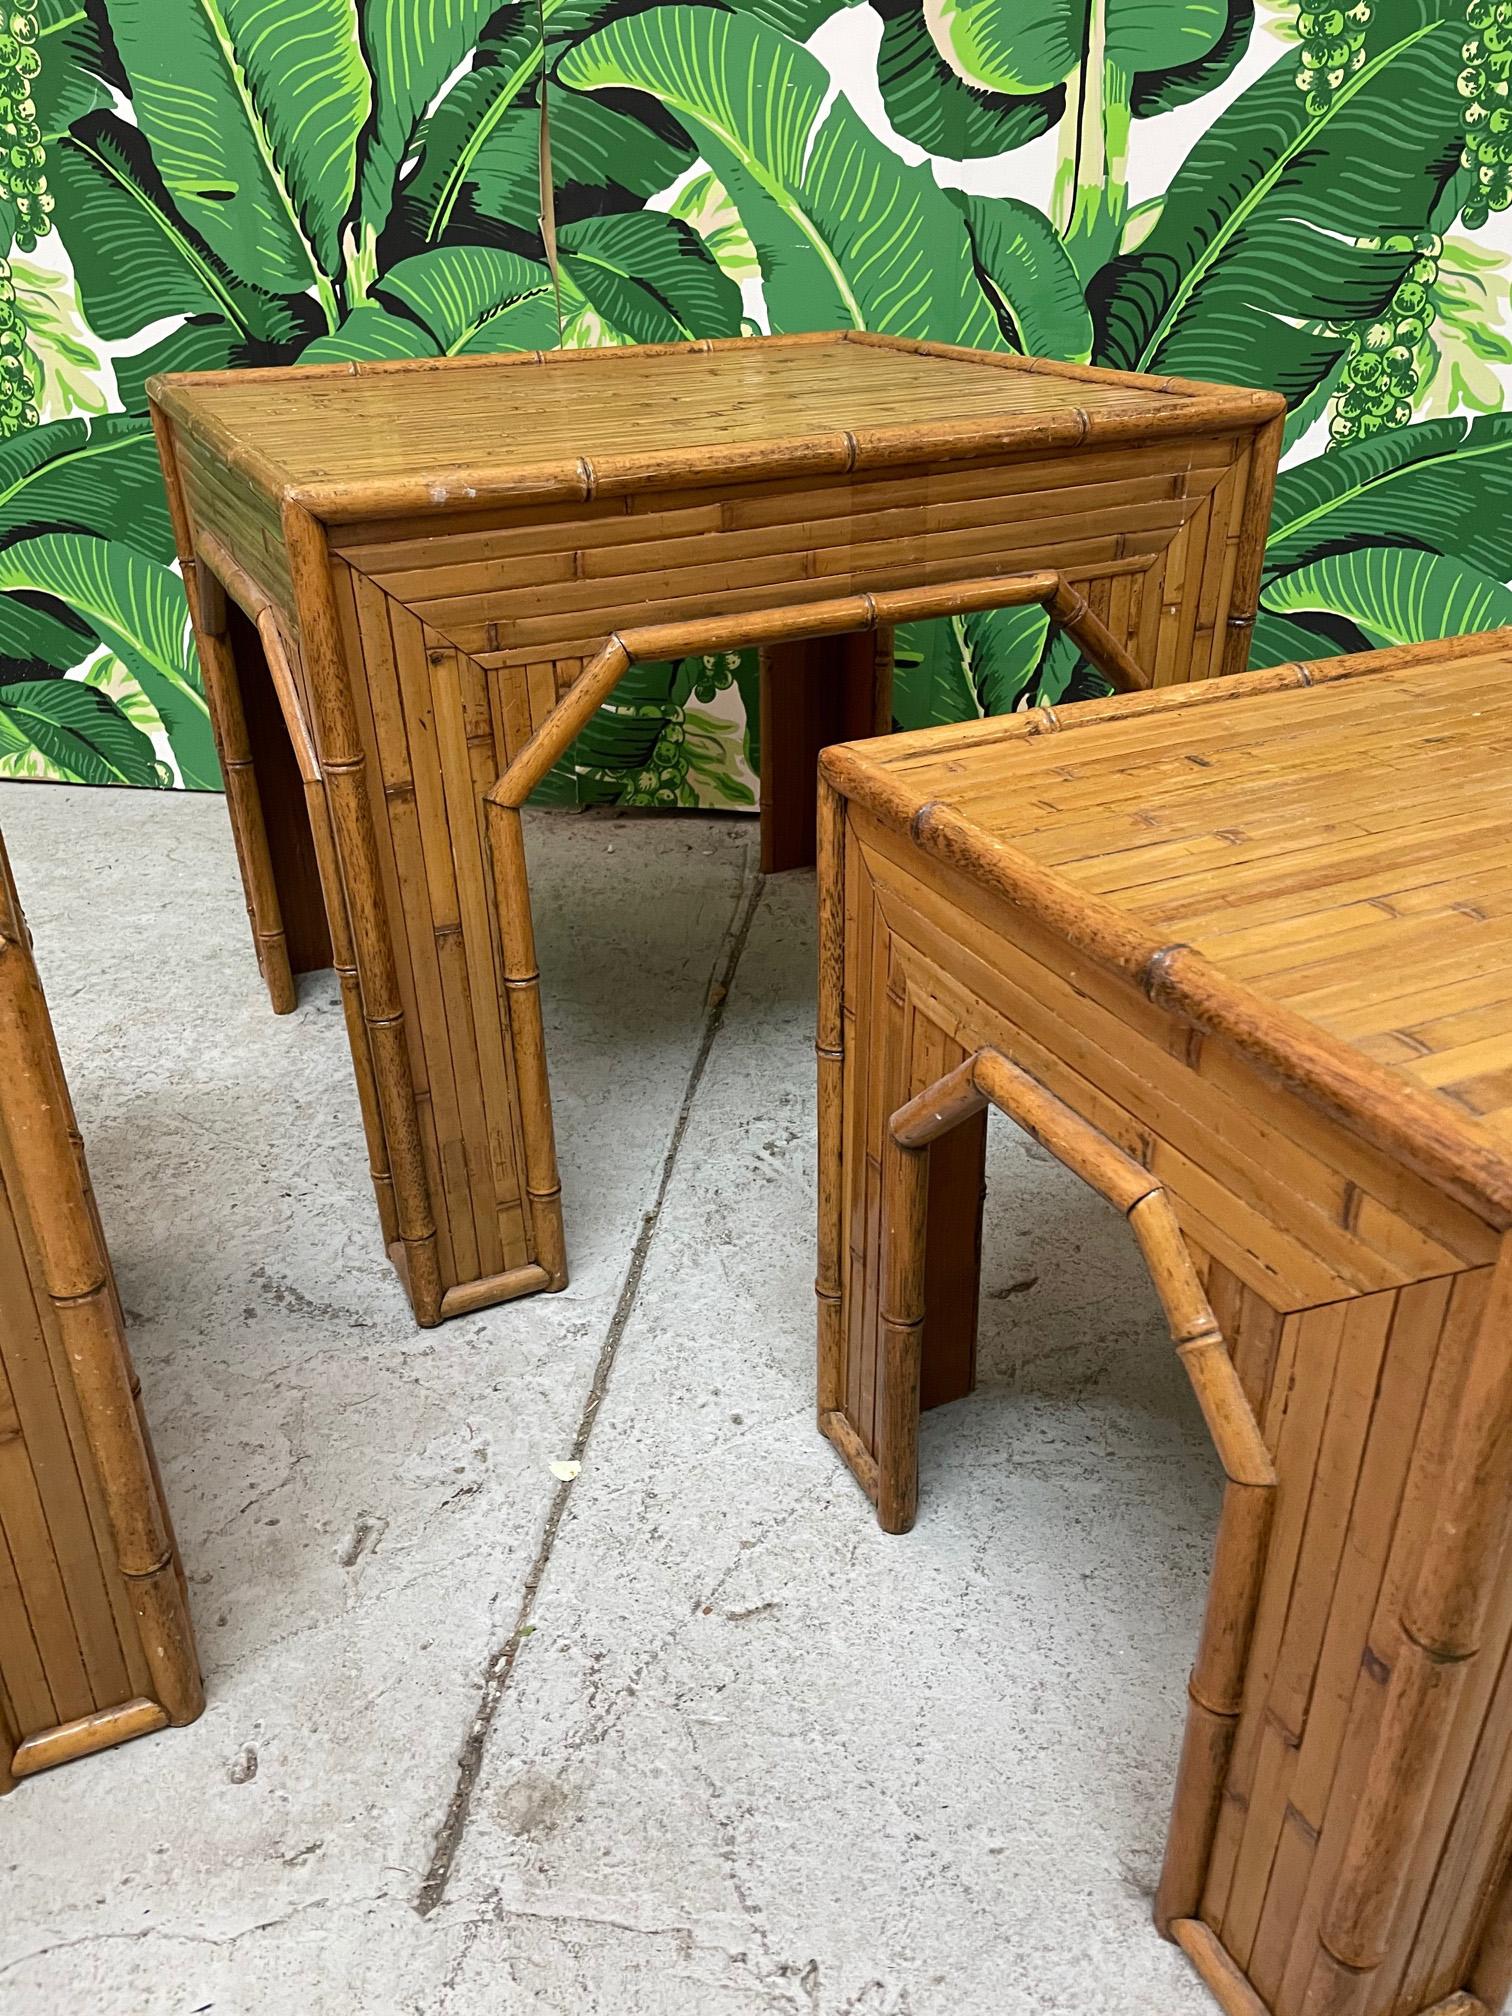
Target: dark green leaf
x=73, y=62
x=1003, y=653
x=1181, y=83
x=650, y=276
x=1280, y=641
x=477, y=297
x=1445, y=485
x=847, y=235
x=931, y=104
x=33, y=639
x=930, y=685
x=1028, y=276
x=796, y=18
x=136, y=606
x=1395, y=594
x=252, y=109
x=203, y=343
x=79, y=730
x=412, y=48
x=99, y=476
x=369, y=333
x=608, y=154
x=479, y=153
x=134, y=261
x=1263, y=234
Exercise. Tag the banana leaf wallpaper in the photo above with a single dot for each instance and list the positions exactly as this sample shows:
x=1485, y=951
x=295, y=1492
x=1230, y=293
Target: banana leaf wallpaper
x=1313, y=199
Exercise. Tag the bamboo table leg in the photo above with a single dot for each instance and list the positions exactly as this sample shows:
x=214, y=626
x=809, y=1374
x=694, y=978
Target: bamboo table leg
x=95, y=1640
x=814, y=692
x=953, y=1267
x=292, y=852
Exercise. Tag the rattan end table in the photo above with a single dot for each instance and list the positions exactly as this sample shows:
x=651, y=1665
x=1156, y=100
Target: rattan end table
x=95, y=1640
x=1241, y=956
x=409, y=583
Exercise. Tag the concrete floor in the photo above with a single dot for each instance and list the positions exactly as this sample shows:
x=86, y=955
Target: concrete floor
x=686, y=1736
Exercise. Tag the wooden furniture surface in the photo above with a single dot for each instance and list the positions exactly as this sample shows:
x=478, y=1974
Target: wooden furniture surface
x=95, y=1643
x=1241, y=956
x=416, y=575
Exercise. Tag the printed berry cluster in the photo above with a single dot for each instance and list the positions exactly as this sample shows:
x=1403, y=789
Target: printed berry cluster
x=23, y=185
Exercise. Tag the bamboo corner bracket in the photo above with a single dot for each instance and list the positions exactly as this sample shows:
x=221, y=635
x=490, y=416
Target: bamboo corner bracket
x=1065, y=608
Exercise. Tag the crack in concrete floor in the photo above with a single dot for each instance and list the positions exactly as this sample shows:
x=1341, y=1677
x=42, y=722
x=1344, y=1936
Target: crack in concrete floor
x=501, y=1665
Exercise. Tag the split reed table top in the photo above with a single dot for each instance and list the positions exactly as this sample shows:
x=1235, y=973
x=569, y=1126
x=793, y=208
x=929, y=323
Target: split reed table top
x=1315, y=858
x=578, y=422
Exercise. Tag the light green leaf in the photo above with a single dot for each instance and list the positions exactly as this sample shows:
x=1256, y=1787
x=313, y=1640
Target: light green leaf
x=1028, y=277
x=106, y=672
x=1395, y=594
x=21, y=758
x=477, y=298
x=1445, y=485
x=650, y=276
x=71, y=377
x=1467, y=345
x=846, y=234
x=136, y=607
x=81, y=732
x=367, y=334
x=98, y=476
x=715, y=749
x=704, y=202
x=1267, y=227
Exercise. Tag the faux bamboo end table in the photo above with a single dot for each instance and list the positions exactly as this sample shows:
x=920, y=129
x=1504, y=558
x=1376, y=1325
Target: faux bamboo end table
x=95, y=1644
x=411, y=584
x=1241, y=956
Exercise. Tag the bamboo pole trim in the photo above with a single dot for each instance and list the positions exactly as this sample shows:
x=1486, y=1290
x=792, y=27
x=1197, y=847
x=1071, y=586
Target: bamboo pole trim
x=74, y=1297
x=865, y=611
x=859, y=1459
x=1233, y=1992
x=146, y=1574
x=86, y=1735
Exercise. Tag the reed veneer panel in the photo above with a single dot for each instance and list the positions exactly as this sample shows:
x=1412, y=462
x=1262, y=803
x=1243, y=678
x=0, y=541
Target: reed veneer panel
x=95, y=1642
x=438, y=553
x=1240, y=969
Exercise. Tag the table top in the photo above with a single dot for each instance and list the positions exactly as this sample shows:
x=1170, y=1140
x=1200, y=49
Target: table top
x=445, y=428
x=1338, y=849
